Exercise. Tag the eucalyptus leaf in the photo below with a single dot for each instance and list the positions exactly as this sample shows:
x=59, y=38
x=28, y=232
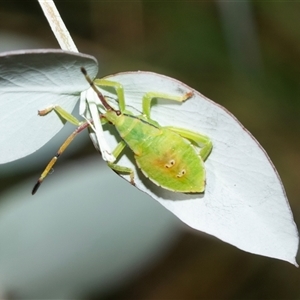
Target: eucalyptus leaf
x=244, y=202
x=32, y=80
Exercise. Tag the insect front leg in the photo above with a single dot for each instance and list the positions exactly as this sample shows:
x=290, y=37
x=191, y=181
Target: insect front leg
x=117, y=87
x=148, y=97
x=120, y=169
x=62, y=114
x=201, y=140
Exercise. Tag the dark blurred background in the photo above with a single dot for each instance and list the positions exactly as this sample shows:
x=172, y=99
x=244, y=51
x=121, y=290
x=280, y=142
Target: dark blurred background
x=244, y=55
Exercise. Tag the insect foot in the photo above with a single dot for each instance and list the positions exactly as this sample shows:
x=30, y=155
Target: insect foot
x=45, y=111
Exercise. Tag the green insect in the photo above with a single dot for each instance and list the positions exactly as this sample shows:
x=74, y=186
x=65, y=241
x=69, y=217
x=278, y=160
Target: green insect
x=166, y=155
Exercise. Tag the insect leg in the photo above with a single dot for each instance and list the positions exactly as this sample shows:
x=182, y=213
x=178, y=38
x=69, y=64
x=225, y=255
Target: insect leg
x=117, y=87
x=120, y=169
x=201, y=140
x=57, y=155
x=62, y=114
x=148, y=97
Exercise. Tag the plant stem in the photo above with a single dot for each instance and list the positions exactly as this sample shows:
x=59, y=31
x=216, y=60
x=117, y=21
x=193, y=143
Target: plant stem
x=57, y=25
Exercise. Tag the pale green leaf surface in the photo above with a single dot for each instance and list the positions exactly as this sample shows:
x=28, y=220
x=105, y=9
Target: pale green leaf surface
x=32, y=80
x=244, y=203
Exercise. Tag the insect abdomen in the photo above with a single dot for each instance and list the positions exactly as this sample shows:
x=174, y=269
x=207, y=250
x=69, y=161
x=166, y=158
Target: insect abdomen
x=164, y=156
x=173, y=163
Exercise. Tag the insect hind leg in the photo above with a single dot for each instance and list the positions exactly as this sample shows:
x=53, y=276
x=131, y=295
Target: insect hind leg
x=203, y=141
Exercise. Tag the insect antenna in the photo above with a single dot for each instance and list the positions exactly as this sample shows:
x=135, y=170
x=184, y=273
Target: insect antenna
x=58, y=154
x=101, y=97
